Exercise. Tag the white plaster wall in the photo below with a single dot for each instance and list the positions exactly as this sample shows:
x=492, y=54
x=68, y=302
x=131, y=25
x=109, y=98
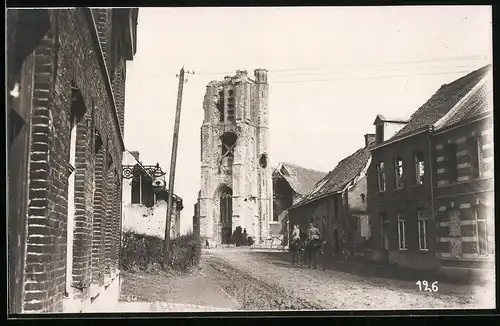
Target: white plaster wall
x=390, y=129
x=150, y=221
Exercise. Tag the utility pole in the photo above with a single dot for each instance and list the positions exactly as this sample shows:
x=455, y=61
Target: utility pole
x=173, y=159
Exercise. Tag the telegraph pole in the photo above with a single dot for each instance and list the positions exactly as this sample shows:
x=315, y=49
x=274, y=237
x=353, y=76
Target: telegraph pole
x=173, y=159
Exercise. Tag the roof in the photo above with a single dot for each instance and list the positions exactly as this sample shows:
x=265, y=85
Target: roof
x=337, y=179
x=478, y=102
x=385, y=118
x=442, y=102
x=301, y=179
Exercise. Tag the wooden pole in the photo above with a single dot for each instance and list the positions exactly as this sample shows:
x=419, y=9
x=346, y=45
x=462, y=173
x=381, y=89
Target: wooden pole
x=175, y=140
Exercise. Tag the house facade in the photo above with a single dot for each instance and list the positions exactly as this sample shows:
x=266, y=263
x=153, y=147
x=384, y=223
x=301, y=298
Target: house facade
x=337, y=205
x=462, y=145
x=290, y=183
x=145, y=199
x=400, y=183
x=66, y=87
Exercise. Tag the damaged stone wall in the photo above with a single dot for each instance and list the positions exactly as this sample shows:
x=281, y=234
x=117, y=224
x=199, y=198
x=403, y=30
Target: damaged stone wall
x=242, y=111
x=147, y=220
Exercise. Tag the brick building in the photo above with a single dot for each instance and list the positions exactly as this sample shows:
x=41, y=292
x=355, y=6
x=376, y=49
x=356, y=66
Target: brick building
x=400, y=192
x=290, y=183
x=236, y=185
x=337, y=204
x=66, y=86
x=145, y=199
x=462, y=144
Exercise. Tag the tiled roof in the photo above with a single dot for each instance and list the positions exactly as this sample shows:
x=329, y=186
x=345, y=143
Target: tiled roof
x=478, y=102
x=301, y=180
x=337, y=179
x=442, y=102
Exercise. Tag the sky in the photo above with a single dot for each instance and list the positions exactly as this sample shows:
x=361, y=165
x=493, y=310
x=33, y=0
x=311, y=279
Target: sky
x=331, y=71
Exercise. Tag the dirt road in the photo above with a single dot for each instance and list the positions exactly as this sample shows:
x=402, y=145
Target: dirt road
x=260, y=279
x=244, y=279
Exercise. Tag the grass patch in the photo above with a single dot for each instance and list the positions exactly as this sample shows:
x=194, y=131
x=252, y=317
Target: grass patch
x=144, y=253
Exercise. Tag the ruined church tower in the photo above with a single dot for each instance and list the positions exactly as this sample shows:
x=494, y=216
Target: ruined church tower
x=236, y=186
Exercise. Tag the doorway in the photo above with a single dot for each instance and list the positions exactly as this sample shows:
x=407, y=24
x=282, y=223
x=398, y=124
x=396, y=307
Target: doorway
x=385, y=240
x=226, y=213
x=336, y=243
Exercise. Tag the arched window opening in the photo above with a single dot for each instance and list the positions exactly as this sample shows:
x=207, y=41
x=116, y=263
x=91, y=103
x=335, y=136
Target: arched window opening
x=220, y=106
x=263, y=161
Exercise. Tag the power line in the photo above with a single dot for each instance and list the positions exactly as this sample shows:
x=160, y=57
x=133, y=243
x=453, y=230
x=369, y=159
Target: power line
x=366, y=78
x=400, y=69
x=458, y=58
x=402, y=63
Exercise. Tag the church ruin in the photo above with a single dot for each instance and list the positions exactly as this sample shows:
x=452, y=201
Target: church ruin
x=236, y=184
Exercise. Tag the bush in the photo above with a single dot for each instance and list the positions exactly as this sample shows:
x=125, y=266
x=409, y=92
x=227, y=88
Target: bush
x=237, y=237
x=145, y=253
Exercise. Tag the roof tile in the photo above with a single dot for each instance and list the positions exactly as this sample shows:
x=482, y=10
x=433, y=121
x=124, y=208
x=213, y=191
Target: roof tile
x=442, y=101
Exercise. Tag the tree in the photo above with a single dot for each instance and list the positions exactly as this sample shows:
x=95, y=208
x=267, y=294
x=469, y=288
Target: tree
x=237, y=236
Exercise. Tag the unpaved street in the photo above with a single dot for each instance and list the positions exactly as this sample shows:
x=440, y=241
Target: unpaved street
x=260, y=279
x=245, y=279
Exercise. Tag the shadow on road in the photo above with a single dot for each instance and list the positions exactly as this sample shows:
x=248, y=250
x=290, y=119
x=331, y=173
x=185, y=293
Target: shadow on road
x=365, y=269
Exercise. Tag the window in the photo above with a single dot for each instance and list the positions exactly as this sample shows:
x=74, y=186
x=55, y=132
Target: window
x=422, y=230
x=379, y=133
x=481, y=231
x=381, y=176
x=474, y=148
x=398, y=163
x=136, y=189
x=419, y=168
x=451, y=158
x=401, y=232
x=363, y=197
x=220, y=106
x=230, y=105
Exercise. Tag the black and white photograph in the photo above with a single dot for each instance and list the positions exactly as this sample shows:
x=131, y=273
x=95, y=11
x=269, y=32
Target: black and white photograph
x=249, y=159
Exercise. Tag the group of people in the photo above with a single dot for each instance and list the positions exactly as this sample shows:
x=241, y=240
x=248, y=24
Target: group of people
x=312, y=233
x=308, y=244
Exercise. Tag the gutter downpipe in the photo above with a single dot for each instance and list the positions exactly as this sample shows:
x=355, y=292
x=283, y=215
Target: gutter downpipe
x=431, y=172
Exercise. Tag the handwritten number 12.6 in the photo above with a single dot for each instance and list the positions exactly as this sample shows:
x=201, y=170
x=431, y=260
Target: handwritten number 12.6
x=424, y=286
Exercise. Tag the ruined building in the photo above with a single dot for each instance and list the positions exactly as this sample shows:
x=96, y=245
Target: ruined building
x=236, y=185
x=145, y=199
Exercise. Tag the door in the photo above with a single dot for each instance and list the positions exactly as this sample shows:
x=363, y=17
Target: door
x=336, y=243
x=226, y=235
x=385, y=240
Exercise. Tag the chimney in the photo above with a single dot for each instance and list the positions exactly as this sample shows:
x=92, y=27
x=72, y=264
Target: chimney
x=370, y=139
x=135, y=154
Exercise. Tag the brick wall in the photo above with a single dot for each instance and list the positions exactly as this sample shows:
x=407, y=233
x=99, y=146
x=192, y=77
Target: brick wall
x=98, y=225
x=66, y=59
x=457, y=239
x=405, y=201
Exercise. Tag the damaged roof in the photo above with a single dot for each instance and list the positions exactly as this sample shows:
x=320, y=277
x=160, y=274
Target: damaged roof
x=478, y=102
x=301, y=179
x=337, y=179
x=442, y=102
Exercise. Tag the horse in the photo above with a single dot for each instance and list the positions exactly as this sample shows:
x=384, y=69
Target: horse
x=297, y=248
x=311, y=248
